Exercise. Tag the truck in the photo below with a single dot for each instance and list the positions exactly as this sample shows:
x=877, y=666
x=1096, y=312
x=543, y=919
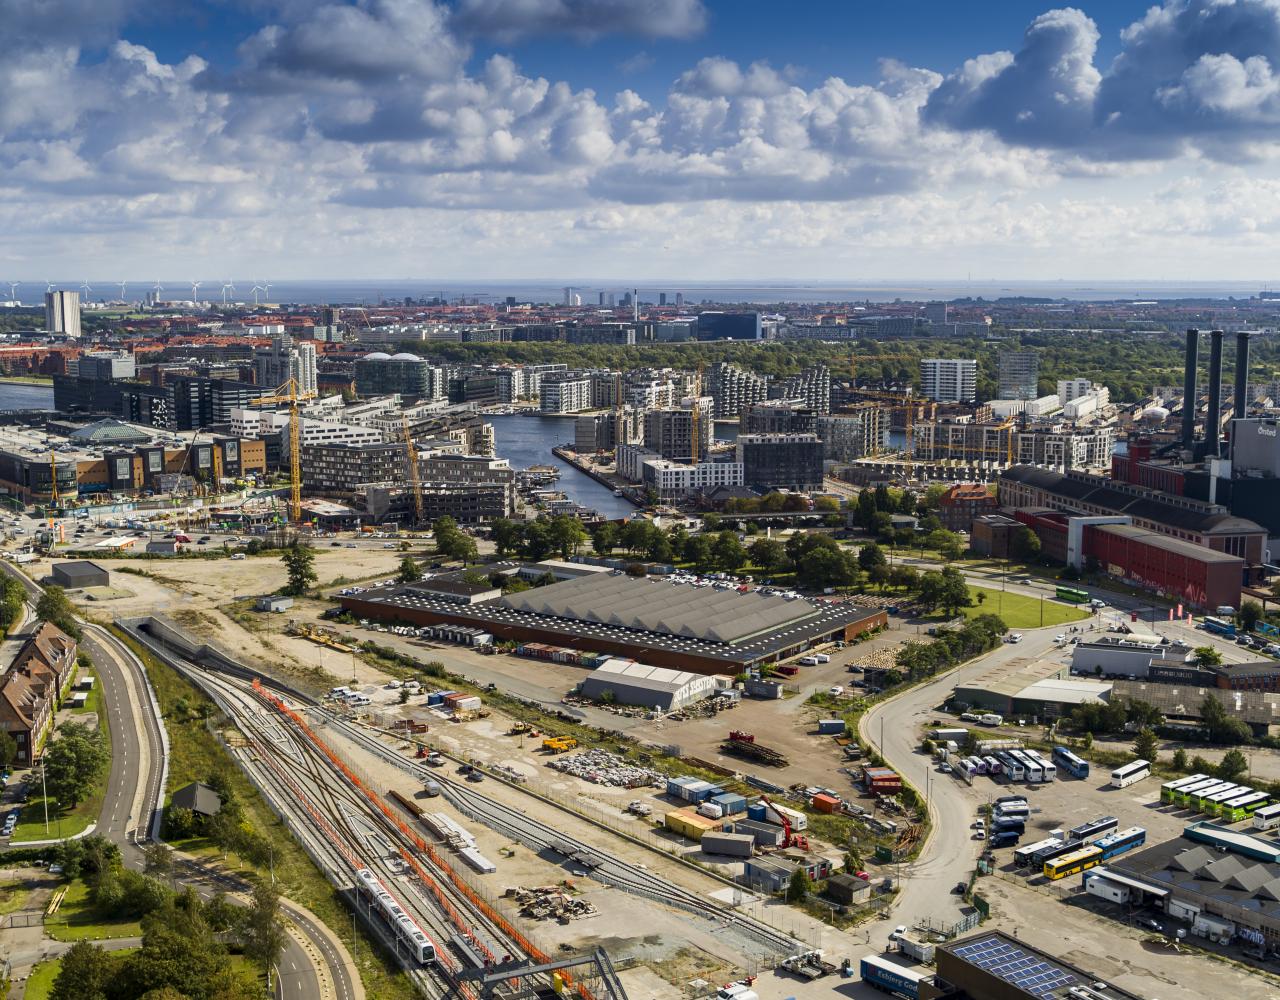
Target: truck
x=890, y=977
x=921, y=951
x=808, y=965
x=737, y=991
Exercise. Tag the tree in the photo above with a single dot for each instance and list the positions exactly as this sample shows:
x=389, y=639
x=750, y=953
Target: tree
x=299, y=563
x=54, y=607
x=1145, y=745
x=865, y=513
x=505, y=534
x=87, y=973
x=1024, y=544
x=1220, y=727
x=158, y=860
x=8, y=749
x=463, y=548
x=768, y=554
x=870, y=556
x=1233, y=765
x=409, y=571
x=567, y=534
x=728, y=552
x=73, y=763
x=605, y=538
x=826, y=505
x=799, y=886
x=264, y=937
x=1250, y=614
x=698, y=552
x=1206, y=656
x=1179, y=759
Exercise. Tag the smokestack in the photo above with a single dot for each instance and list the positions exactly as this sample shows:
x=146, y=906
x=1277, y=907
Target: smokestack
x=1189, y=390
x=1213, y=419
x=635, y=304
x=1240, y=403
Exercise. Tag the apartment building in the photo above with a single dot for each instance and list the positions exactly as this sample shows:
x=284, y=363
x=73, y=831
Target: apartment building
x=676, y=480
x=340, y=468
x=733, y=389
x=781, y=461
x=32, y=689
x=812, y=386
x=847, y=437
x=949, y=380
x=1067, y=447
x=565, y=394
x=671, y=433
x=1019, y=374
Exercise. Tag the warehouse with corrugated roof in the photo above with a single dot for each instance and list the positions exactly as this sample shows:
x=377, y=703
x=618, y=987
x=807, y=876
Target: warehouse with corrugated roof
x=627, y=682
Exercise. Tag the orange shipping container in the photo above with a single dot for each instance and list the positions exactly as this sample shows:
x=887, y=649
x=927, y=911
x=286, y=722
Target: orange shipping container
x=825, y=803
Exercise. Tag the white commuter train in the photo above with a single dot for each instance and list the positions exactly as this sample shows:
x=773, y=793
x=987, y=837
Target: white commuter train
x=402, y=925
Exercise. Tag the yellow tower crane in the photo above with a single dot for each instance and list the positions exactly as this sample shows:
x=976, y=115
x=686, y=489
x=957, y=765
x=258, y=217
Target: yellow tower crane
x=695, y=429
x=288, y=393
x=411, y=453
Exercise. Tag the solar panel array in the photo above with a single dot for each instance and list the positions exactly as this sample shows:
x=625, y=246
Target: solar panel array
x=1009, y=962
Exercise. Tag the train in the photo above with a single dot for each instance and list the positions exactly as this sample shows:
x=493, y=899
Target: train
x=403, y=926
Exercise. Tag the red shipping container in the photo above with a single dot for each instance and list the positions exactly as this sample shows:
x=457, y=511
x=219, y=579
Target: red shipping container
x=825, y=803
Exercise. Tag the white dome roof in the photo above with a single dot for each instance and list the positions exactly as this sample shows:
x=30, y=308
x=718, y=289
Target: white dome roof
x=1154, y=413
x=405, y=356
x=377, y=356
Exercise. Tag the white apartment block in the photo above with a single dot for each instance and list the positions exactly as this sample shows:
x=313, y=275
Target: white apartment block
x=671, y=480
x=949, y=380
x=1074, y=388
x=565, y=395
x=1004, y=408
x=264, y=423
x=630, y=458
x=1066, y=448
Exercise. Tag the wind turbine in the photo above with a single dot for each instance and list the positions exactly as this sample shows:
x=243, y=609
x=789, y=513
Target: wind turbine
x=84, y=286
x=195, y=289
x=13, y=290
x=122, y=284
x=48, y=286
x=256, y=289
x=158, y=289
x=227, y=286
x=266, y=288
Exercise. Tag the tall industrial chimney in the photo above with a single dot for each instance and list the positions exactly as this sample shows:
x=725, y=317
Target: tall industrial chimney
x=1213, y=418
x=1240, y=403
x=1189, y=390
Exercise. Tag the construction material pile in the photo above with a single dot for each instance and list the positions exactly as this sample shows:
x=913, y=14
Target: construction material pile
x=550, y=902
x=744, y=745
x=601, y=767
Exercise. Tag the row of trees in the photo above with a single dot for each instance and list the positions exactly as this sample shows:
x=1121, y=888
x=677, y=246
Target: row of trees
x=917, y=660
x=453, y=542
x=55, y=607
x=74, y=763
x=535, y=540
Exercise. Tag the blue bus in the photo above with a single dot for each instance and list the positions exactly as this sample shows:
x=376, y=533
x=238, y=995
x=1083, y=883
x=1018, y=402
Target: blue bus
x=1219, y=626
x=1118, y=843
x=1076, y=766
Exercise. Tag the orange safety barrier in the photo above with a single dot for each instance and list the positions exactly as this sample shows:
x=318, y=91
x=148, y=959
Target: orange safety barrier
x=530, y=949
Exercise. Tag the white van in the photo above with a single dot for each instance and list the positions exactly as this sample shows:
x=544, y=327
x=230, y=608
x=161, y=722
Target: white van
x=360, y=699
x=809, y=661
x=822, y=658
x=1013, y=637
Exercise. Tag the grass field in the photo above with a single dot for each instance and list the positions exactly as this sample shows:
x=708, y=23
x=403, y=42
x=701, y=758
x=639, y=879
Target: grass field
x=93, y=703
x=13, y=895
x=1020, y=612
x=63, y=822
x=76, y=920
x=40, y=982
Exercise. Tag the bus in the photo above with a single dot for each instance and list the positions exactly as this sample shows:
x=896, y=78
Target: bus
x=1184, y=794
x=1215, y=804
x=965, y=771
x=1243, y=807
x=1267, y=818
x=1131, y=773
x=1024, y=856
x=1034, y=772
x=1219, y=626
x=1198, y=798
x=1170, y=788
x=1118, y=843
x=1072, y=595
x=1047, y=766
x=1069, y=864
x=993, y=766
x=1013, y=768
x=1056, y=851
x=1094, y=828
x=1076, y=766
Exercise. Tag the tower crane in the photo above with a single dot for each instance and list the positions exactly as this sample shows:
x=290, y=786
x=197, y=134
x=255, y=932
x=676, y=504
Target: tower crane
x=411, y=453
x=288, y=393
x=695, y=430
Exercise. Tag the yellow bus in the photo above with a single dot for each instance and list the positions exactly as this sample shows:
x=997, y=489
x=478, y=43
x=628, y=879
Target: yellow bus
x=1070, y=864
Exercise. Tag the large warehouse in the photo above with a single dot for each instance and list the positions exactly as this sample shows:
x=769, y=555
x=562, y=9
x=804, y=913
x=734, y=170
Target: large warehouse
x=665, y=624
x=629, y=683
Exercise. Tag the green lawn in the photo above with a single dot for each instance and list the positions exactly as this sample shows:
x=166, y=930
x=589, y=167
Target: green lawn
x=92, y=703
x=40, y=982
x=13, y=895
x=76, y=919
x=1020, y=612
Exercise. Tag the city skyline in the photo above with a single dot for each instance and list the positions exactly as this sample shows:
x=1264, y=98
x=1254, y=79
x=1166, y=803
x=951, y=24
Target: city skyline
x=550, y=138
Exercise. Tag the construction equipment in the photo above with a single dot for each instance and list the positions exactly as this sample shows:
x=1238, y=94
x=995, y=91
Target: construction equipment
x=411, y=453
x=559, y=744
x=789, y=837
x=808, y=965
x=288, y=393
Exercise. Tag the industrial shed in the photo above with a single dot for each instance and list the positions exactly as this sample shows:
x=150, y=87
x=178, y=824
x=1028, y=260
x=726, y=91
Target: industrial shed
x=80, y=574
x=702, y=630
x=632, y=683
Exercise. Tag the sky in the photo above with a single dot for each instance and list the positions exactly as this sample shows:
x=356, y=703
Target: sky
x=708, y=140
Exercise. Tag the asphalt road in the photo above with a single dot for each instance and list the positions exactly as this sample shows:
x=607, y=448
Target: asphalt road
x=135, y=789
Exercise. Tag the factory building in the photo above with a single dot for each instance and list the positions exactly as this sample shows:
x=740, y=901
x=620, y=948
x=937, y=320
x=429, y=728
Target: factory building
x=668, y=625
x=626, y=682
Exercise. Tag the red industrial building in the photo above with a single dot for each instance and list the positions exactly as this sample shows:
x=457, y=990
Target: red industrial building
x=1140, y=469
x=1195, y=575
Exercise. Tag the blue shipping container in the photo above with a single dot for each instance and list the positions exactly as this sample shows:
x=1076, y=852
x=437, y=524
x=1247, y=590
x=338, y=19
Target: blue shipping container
x=829, y=727
x=435, y=698
x=731, y=803
x=756, y=811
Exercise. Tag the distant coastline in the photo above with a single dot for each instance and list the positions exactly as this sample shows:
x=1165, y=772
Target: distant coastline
x=45, y=380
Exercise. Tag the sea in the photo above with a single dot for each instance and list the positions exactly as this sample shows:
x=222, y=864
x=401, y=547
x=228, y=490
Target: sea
x=371, y=292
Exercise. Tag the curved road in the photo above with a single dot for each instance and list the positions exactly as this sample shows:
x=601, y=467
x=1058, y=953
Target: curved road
x=131, y=808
